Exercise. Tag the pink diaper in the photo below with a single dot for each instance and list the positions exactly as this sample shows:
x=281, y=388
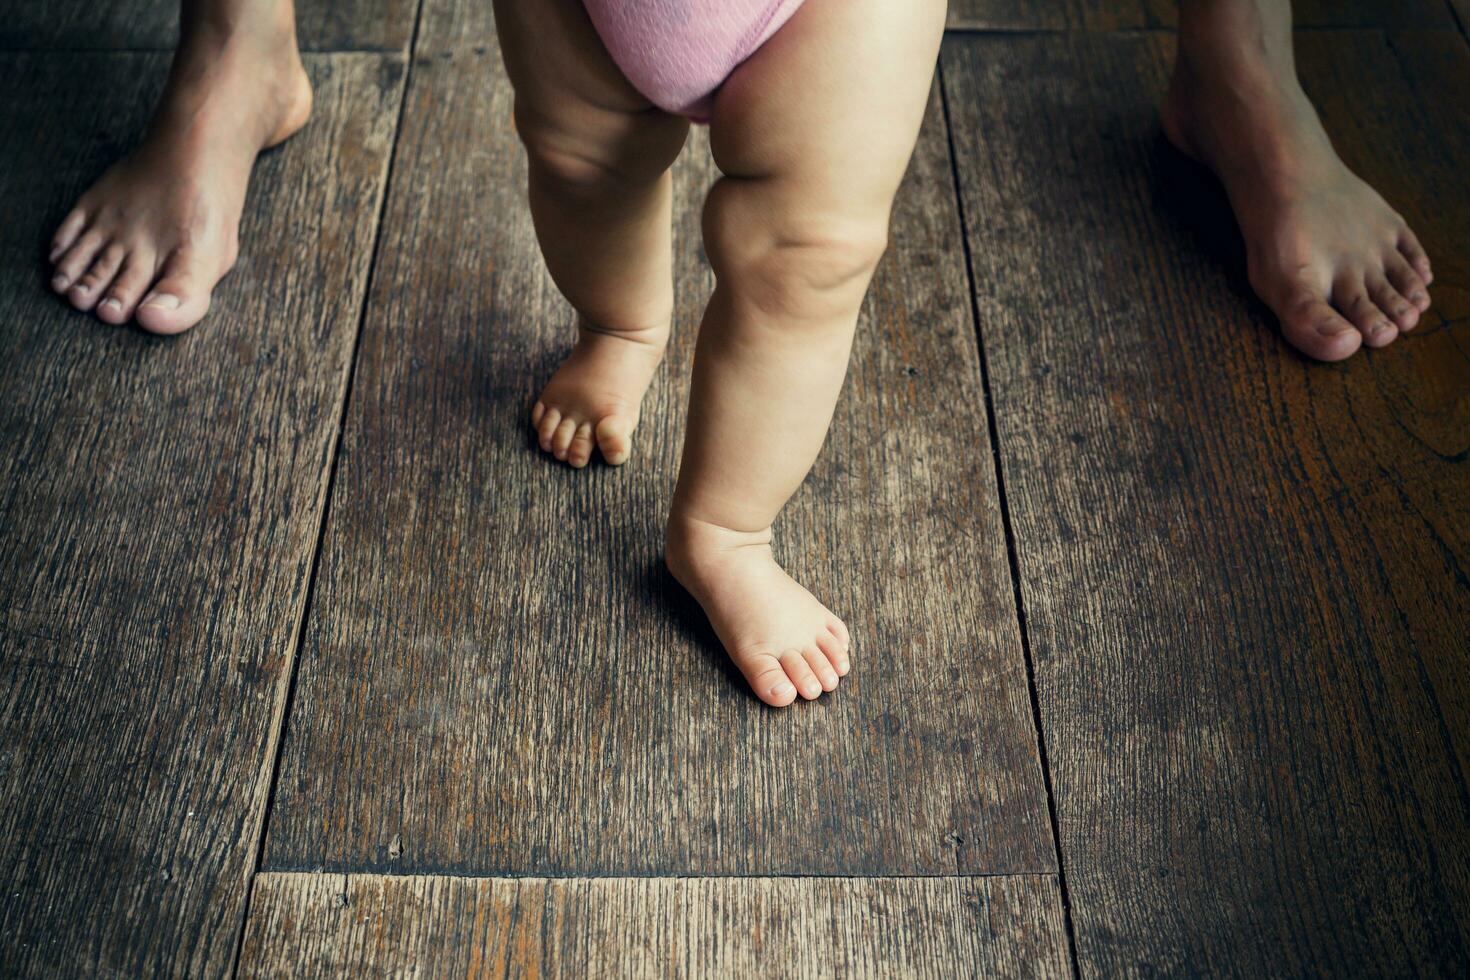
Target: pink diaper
x=677, y=52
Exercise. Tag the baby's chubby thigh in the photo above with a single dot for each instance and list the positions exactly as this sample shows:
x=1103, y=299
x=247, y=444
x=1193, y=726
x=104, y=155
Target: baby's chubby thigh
x=813, y=133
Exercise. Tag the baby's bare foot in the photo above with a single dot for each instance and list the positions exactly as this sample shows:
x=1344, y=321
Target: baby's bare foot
x=782, y=639
x=1338, y=266
x=155, y=234
x=594, y=398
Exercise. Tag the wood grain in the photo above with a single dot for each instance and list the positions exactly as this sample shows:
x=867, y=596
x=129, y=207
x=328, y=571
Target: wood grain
x=1244, y=574
x=1107, y=15
x=159, y=507
x=499, y=673
x=321, y=25
x=367, y=925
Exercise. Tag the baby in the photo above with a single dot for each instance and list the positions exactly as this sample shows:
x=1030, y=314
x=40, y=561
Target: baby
x=813, y=111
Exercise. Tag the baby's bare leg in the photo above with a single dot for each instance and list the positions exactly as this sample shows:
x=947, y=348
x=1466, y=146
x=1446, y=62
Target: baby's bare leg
x=600, y=192
x=813, y=134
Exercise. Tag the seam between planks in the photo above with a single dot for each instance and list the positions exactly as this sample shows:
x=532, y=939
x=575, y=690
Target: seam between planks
x=1459, y=22
x=276, y=739
x=76, y=49
x=1005, y=515
x=364, y=875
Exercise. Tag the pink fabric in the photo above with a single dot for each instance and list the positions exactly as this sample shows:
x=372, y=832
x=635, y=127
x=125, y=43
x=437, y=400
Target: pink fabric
x=677, y=52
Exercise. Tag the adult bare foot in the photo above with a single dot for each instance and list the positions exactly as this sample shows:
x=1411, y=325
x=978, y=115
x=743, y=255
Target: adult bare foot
x=783, y=640
x=1337, y=265
x=153, y=236
x=594, y=399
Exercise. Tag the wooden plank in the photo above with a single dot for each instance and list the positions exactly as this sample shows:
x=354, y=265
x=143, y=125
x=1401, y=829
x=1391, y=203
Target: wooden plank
x=159, y=508
x=1243, y=573
x=500, y=675
x=1060, y=15
x=1105, y=15
x=85, y=25
x=368, y=925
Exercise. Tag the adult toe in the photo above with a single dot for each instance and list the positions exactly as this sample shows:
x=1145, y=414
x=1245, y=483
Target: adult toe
x=1317, y=330
x=66, y=233
x=172, y=306
x=1414, y=252
x=132, y=281
x=77, y=259
x=89, y=287
x=1409, y=284
x=1392, y=302
x=1350, y=295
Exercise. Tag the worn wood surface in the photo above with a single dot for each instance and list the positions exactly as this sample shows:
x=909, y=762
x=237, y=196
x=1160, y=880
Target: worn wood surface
x=1243, y=574
x=321, y=25
x=369, y=925
x=1108, y=15
x=498, y=671
x=159, y=506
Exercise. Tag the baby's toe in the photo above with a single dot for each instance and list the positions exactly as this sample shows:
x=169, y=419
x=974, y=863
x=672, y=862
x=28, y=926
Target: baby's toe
x=615, y=439
x=838, y=629
x=546, y=427
x=561, y=439
x=579, y=453
x=835, y=651
x=767, y=678
x=821, y=667
x=801, y=675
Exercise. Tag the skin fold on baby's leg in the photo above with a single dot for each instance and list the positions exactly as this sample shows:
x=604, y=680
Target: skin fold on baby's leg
x=813, y=134
x=601, y=198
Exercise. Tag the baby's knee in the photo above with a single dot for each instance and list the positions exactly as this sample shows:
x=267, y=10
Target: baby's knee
x=614, y=151
x=789, y=261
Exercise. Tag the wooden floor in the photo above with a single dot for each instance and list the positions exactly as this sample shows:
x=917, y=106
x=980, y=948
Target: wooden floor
x=311, y=664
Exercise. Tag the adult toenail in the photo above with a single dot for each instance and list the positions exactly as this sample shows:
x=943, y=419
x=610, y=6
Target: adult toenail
x=163, y=301
x=59, y=283
x=1379, y=329
x=782, y=689
x=842, y=666
x=1417, y=297
x=112, y=304
x=812, y=689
